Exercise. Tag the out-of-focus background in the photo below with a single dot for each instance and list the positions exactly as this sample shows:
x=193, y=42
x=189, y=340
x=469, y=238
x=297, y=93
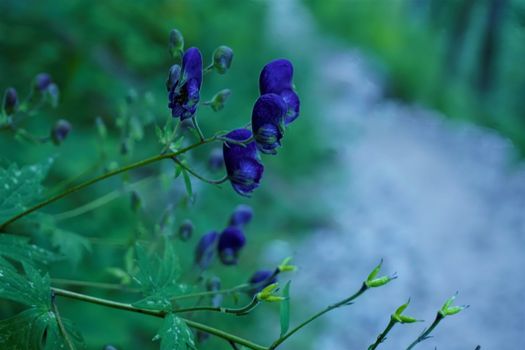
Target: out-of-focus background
x=409, y=148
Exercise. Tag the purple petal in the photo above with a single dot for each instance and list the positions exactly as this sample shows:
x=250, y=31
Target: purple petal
x=276, y=76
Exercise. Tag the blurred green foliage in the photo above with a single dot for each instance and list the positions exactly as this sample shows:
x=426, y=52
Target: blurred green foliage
x=462, y=57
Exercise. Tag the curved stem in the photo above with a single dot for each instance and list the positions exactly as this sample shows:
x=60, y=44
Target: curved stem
x=196, y=125
x=60, y=324
x=238, y=311
x=427, y=332
x=343, y=302
x=200, y=177
x=211, y=293
x=156, y=313
x=88, y=284
x=381, y=337
x=103, y=177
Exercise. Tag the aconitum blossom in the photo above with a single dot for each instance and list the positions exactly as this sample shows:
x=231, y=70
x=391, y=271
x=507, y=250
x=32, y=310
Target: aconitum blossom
x=277, y=77
x=205, y=249
x=230, y=244
x=242, y=215
x=243, y=165
x=268, y=122
x=184, y=92
x=261, y=279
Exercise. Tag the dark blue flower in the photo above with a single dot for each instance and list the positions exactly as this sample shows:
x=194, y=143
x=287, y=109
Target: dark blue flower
x=268, y=122
x=276, y=77
x=42, y=81
x=261, y=279
x=242, y=162
x=205, y=249
x=230, y=244
x=10, y=101
x=60, y=131
x=184, y=94
x=241, y=216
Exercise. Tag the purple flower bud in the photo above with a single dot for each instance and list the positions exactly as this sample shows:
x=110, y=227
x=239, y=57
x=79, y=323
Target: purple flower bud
x=241, y=216
x=186, y=230
x=173, y=76
x=53, y=93
x=222, y=59
x=215, y=160
x=268, y=122
x=10, y=101
x=60, y=131
x=230, y=244
x=276, y=77
x=42, y=81
x=205, y=249
x=185, y=94
x=261, y=279
x=243, y=164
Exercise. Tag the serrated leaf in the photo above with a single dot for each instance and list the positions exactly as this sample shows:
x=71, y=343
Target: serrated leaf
x=175, y=334
x=72, y=245
x=285, y=309
x=31, y=289
x=157, y=278
x=18, y=249
x=36, y=328
x=20, y=187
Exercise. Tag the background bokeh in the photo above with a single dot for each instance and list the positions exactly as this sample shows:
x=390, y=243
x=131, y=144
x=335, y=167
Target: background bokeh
x=408, y=148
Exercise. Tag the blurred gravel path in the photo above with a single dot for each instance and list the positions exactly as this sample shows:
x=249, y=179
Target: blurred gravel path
x=442, y=203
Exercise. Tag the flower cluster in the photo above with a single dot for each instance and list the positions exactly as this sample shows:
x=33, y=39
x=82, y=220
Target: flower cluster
x=275, y=108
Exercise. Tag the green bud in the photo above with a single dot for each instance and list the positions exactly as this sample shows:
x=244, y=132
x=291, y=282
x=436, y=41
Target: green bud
x=407, y=319
x=373, y=282
x=398, y=317
x=222, y=59
x=448, y=310
x=286, y=267
x=218, y=101
x=268, y=293
x=176, y=44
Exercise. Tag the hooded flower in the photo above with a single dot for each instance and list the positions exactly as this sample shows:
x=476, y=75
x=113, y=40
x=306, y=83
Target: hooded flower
x=242, y=162
x=261, y=279
x=276, y=77
x=60, y=131
x=184, y=92
x=268, y=122
x=241, y=216
x=205, y=249
x=42, y=81
x=230, y=244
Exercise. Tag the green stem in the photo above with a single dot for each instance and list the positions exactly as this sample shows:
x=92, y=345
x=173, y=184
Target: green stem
x=103, y=177
x=211, y=293
x=236, y=311
x=196, y=125
x=63, y=330
x=88, y=284
x=381, y=337
x=128, y=307
x=346, y=301
x=423, y=336
x=200, y=177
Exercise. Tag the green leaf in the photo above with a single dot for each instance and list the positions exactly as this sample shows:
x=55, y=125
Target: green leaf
x=187, y=182
x=158, y=278
x=20, y=187
x=31, y=289
x=36, y=328
x=285, y=309
x=175, y=334
x=72, y=245
x=18, y=249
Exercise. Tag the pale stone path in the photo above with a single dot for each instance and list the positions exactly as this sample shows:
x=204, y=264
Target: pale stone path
x=442, y=203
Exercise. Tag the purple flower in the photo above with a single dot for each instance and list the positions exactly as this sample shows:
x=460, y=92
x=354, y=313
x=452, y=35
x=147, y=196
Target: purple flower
x=186, y=230
x=230, y=244
x=261, y=279
x=184, y=93
x=10, y=101
x=268, y=122
x=205, y=249
x=276, y=77
x=241, y=216
x=42, y=81
x=242, y=162
x=60, y=131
